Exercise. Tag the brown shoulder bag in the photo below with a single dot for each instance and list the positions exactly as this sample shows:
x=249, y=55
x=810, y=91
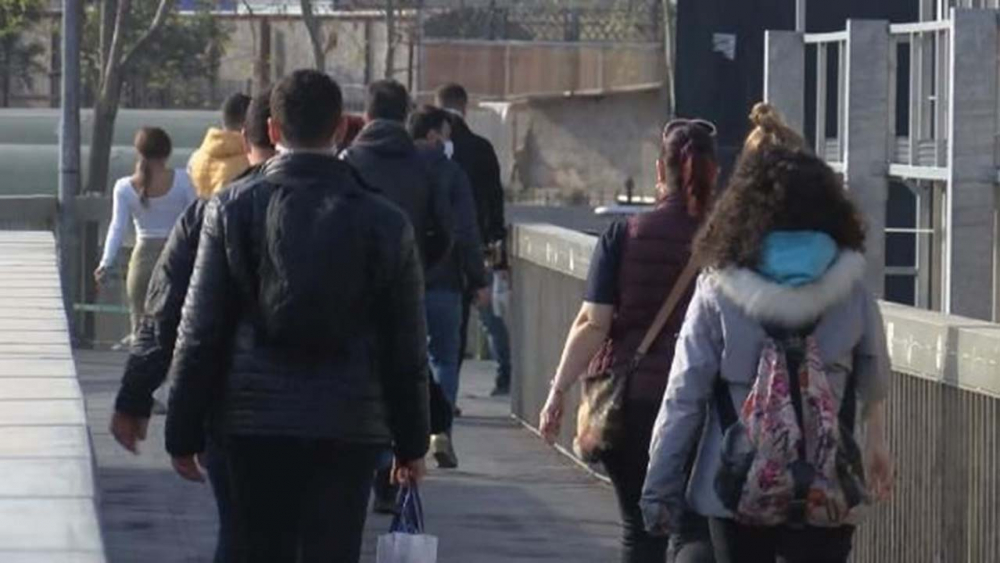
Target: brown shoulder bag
x=600, y=421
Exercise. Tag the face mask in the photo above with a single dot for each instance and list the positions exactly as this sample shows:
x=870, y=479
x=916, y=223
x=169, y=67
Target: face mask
x=449, y=149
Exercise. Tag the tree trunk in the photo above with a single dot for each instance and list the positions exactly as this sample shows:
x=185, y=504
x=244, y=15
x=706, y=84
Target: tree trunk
x=315, y=29
x=390, y=39
x=262, y=64
x=115, y=62
x=669, y=57
x=105, y=113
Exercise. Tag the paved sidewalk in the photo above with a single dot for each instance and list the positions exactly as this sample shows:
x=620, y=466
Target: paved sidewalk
x=512, y=500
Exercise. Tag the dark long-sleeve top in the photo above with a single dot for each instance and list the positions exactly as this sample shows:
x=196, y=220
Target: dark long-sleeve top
x=153, y=342
x=464, y=268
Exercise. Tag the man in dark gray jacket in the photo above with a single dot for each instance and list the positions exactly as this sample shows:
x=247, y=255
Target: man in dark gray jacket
x=463, y=271
x=302, y=341
x=387, y=160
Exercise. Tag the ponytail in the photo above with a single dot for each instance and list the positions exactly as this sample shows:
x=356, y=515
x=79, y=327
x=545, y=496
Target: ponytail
x=143, y=177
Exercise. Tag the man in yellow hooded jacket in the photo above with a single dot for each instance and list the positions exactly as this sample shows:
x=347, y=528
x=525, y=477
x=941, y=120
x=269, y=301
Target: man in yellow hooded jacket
x=222, y=155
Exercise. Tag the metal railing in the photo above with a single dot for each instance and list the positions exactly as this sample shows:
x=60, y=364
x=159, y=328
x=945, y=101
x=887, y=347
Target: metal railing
x=829, y=52
x=920, y=70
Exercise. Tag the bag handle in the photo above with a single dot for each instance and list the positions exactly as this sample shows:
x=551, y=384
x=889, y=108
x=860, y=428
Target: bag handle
x=409, y=517
x=667, y=309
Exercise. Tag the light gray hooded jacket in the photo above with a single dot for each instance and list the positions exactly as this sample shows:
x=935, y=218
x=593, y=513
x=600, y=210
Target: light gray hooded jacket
x=722, y=336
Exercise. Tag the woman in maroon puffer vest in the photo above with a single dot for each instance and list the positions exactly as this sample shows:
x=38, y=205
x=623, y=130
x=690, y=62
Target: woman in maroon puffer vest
x=634, y=267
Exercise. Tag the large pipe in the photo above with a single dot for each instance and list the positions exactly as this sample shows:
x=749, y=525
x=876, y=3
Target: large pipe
x=69, y=156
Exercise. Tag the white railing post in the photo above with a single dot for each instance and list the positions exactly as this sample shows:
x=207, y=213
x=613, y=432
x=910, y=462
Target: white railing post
x=785, y=75
x=970, y=246
x=866, y=133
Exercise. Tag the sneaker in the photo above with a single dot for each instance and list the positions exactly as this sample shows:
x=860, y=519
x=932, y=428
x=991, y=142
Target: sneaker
x=385, y=493
x=443, y=451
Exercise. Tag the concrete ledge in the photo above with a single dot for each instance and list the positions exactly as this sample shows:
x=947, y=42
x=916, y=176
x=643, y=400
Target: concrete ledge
x=954, y=350
x=555, y=248
x=47, y=492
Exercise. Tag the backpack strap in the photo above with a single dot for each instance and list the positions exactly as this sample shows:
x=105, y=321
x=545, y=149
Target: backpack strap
x=849, y=403
x=724, y=404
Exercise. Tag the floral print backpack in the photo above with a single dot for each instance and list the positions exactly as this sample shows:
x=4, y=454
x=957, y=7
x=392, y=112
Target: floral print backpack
x=789, y=457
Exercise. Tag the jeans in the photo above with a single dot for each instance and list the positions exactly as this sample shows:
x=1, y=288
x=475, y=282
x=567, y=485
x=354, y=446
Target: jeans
x=444, y=321
x=300, y=500
x=748, y=544
x=218, y=475
x=497, y=336
x=626, y=466
x=499, y=342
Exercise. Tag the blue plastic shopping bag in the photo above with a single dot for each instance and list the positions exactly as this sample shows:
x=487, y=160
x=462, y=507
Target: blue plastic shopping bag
x=406, y=541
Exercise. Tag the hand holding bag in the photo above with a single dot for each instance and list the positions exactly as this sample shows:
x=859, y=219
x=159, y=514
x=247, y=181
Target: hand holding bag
x=600, y=421
x=406, y=541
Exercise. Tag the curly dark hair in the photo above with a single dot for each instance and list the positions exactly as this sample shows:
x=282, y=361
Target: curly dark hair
x=777, y=188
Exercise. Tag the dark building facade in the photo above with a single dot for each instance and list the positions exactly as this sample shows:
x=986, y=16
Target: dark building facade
x=720, y=52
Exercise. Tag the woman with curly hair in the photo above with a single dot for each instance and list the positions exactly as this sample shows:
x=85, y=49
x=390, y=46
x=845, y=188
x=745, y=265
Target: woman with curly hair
x=782, y=253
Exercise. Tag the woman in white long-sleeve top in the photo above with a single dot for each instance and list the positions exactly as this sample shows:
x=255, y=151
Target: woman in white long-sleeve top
x=780, y=318
x=153, y=198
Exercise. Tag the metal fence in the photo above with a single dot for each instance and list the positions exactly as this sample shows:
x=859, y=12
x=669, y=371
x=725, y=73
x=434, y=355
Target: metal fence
x=506, y=69
x=548, y=22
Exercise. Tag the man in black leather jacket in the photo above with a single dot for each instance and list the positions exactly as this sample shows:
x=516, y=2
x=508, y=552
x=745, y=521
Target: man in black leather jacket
x=303, y=340
x=385, y=156
x=153, y=345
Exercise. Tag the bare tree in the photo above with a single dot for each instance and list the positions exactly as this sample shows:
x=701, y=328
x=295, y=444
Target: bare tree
x=390, y=39
x=115, y=61
x=315, y=29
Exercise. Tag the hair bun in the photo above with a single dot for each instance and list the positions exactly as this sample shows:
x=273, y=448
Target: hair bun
x=770, y=129
x=766, y=117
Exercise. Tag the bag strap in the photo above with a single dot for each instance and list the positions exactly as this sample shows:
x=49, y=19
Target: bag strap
x=849, y=402
x=409, y=517
x=724, y=404
x=667, y=309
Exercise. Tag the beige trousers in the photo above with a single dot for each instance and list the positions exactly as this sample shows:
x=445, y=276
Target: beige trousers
x=140, y=270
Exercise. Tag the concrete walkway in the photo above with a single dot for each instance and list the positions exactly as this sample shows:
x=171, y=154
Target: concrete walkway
x=512, y=500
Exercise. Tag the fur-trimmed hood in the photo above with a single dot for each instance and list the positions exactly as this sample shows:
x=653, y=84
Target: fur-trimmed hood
x=790, y=307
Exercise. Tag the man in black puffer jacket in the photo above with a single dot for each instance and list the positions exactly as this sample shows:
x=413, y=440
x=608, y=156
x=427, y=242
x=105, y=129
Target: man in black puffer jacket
x=303, y=339
x=385, y=156
x=153, y=345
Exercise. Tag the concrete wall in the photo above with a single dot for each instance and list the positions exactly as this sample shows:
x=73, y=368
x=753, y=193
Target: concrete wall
x=584, y=149
x=48, y=493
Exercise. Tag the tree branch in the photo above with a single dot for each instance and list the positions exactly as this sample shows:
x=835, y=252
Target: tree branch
x=110, y=63
x=108, y=10
x=315, y=34
x=159, y=20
